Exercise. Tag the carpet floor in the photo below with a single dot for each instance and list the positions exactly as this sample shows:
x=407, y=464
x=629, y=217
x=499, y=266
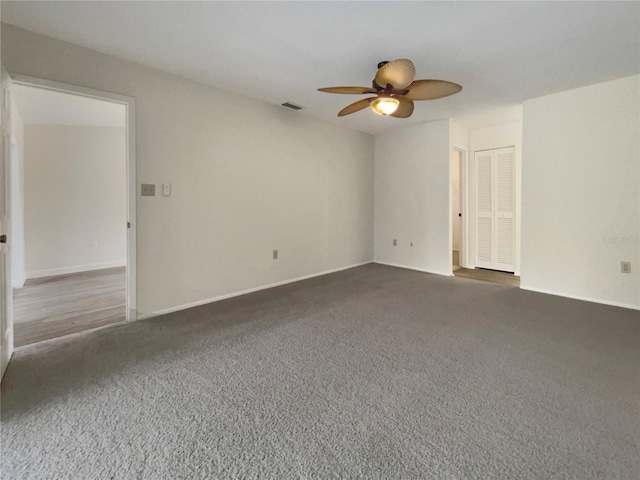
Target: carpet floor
x=374, y=372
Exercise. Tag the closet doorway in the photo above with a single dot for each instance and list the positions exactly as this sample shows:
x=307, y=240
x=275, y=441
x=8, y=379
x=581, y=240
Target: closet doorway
x=492, y=223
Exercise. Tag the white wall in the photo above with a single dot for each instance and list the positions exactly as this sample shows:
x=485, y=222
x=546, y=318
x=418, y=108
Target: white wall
x=412, y=197
x=75, y=196
x=487, y=138
x=581, y=191
x=247, y=177
x=18, y=269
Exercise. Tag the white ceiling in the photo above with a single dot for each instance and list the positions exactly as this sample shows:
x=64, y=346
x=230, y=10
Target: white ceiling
x=501, y=52
x=39, y=106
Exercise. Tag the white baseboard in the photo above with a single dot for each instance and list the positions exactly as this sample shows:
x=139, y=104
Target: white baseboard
x=445, y=274
x=579, y=297
x=142, y=316
x=74, y=269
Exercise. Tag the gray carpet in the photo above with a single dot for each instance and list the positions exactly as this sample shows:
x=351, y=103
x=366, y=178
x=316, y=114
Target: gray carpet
x=374, y=372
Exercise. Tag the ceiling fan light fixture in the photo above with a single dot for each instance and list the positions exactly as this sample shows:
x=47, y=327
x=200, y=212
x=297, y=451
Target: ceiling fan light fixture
x=395, y=90
x=385, y=105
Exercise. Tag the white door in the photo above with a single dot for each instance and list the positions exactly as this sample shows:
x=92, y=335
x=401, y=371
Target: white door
x=484, y=209
x=6, y=308
x=495, y=209
x=504, y=168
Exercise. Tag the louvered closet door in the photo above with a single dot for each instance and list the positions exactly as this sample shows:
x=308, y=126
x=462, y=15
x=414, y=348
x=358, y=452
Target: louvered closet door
x=485, y=257
x=495, y=208
x=504, y=194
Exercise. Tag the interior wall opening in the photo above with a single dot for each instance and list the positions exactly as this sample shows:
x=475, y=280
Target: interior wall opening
x=456, y=208
x=493, y=206
x=70, y=213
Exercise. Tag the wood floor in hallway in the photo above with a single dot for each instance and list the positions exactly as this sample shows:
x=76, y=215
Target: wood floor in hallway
x=491, y=276
x=51, y=307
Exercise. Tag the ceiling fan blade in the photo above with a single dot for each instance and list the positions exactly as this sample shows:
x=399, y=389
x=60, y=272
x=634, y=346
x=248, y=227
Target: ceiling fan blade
x=431, y=89
x=348, y=90
x=404, y=110
x=355, y=107
x=398, y=74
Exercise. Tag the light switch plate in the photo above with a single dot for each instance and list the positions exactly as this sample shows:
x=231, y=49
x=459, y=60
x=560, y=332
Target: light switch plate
x=166, y=189
x=148, y=190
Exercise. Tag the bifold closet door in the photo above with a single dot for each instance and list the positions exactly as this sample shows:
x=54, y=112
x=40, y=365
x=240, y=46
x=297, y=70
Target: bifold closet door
x=485, y=217
x=495, y=209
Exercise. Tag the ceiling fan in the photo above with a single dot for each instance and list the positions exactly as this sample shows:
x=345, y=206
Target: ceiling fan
x=395, y=90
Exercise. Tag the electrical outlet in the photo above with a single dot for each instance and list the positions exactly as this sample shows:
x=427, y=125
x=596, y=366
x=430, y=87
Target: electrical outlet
x=625, y=267
x=275, y=254
x=148, y=190
x=395, y=242
x=93, y=245
x=166, y=189
x=411, y=244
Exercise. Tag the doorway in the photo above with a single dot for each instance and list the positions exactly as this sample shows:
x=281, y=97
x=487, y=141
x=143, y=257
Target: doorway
x=73, y=210
x=491, y=197
x=457, y=202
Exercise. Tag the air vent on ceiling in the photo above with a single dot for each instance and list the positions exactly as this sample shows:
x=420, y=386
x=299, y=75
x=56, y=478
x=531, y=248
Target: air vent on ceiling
x=292, y=106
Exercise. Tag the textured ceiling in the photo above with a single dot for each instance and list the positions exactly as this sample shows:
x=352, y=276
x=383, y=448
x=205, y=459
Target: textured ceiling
x=501, y=52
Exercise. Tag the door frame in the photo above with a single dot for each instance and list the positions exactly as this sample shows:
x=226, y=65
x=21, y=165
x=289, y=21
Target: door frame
x=463, y=206
x=130, y=106
x=6, y=297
